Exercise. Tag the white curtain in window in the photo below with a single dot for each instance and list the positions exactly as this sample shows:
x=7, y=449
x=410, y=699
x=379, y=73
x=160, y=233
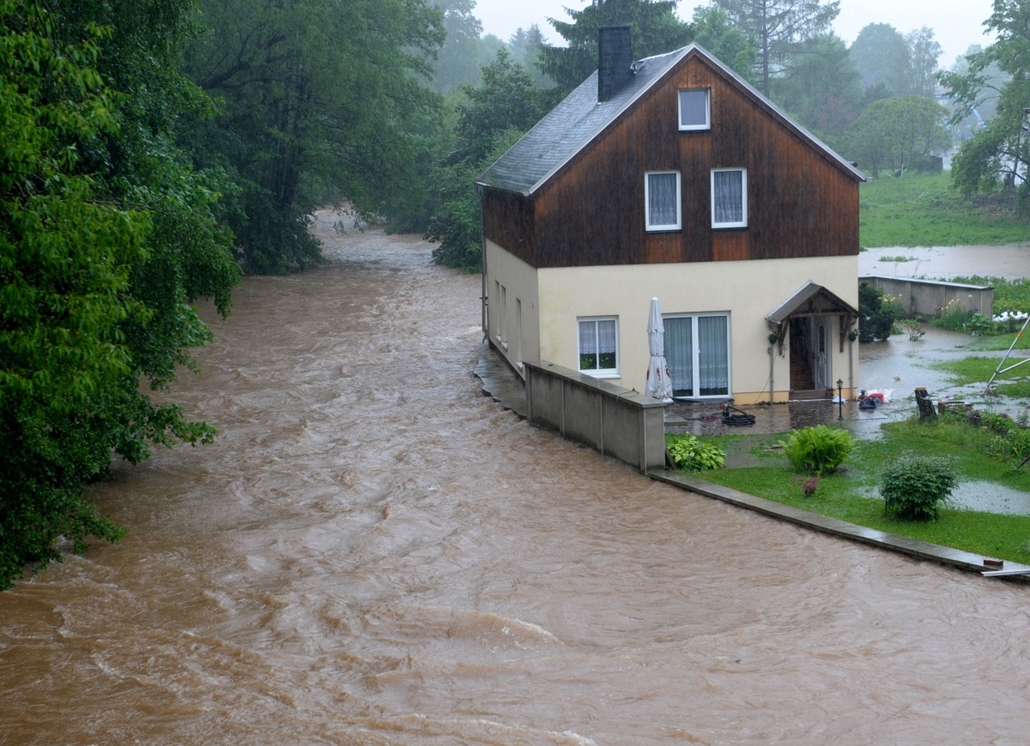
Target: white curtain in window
x=587, y=338
x=679, y=354
x=728, y=196
x=714, y=359
x=661, y=199
x=606, y=336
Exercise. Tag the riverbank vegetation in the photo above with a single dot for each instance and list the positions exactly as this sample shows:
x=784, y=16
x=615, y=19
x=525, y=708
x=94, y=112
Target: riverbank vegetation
x=987, y=451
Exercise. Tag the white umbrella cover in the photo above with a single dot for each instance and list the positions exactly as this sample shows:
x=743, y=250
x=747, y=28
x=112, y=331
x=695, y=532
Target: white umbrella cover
x=659, y=380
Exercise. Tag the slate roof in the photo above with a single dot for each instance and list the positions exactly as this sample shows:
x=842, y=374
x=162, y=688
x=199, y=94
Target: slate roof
x=579, y=118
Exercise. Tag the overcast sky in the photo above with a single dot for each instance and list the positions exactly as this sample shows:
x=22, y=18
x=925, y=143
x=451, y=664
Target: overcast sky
x=956, y=23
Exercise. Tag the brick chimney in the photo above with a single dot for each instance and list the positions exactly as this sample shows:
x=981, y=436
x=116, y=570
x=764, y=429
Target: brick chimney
x=614, y=60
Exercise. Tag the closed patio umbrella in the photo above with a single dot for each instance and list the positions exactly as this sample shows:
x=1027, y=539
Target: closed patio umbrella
x=659, y=380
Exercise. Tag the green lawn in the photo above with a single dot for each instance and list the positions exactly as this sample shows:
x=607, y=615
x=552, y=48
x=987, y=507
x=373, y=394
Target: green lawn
x=852, y=494
x=922, y=210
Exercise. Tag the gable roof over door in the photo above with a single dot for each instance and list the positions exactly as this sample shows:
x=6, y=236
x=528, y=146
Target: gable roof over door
x=580, y=118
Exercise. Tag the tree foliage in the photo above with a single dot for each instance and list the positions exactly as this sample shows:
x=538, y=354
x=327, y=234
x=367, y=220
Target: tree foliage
x=1000, y=152
x=880, y=54
x=821, y=87
x=316, y=98
x=713, y=31
x=782, y=29
x=894, y=132
x=105, y=239
x=493, y=116
x=654, y=29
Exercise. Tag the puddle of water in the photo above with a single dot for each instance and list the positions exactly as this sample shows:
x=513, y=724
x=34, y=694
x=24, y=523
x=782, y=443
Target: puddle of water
x=981, y=496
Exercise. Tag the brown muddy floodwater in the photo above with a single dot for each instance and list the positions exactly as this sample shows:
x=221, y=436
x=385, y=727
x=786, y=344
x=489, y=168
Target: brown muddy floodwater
x=374, y=553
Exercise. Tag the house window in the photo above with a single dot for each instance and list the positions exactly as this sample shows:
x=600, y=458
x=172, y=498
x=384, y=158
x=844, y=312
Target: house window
x=729, y=198
x=599, y=347
x=662, y=197
x=697, y=350
x=695, y=110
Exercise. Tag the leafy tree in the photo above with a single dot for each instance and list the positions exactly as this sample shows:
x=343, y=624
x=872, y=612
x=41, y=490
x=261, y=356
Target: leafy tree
x=894, y=132
x=822, y=87
x=316, y=98
x=923, y=54
x=782, y=29
x=1000, y=152
x=492, y=118
x=105, y=238
x=730, y=45
x=654, y=29
x=905, y=64
x=465, y=49
x=881, y=54
x=525, y=46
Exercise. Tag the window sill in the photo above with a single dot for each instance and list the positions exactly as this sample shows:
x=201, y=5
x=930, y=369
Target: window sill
x=728, y=226
x=663, y=229
x=601, y=373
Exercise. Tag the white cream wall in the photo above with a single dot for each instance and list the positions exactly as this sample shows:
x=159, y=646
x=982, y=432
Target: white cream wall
x=520, y=282
x=748, y=290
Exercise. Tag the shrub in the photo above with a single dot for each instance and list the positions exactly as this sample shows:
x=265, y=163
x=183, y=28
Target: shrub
x=980, y=325
x=914, y=487
x=817, y=449
x=690, y=453
x=876, y=318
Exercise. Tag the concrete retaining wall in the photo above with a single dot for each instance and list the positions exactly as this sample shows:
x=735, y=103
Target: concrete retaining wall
x=927, y=297
x=617, y=422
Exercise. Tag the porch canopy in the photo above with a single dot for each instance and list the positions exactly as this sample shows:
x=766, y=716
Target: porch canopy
x=811, y=299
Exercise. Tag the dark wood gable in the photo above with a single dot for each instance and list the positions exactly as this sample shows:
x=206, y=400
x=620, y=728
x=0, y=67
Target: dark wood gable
x=801, y=201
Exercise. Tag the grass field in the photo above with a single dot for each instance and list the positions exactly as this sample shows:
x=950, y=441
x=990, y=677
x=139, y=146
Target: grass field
x=923, y=210
x=852, y=494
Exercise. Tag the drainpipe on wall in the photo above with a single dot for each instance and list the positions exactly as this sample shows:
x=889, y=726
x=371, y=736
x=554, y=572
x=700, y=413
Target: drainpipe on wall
x=772, y=364
x=851, y=366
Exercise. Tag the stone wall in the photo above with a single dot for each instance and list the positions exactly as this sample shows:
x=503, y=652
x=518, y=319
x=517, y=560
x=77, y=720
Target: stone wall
x=614, y=421
x=928, y=298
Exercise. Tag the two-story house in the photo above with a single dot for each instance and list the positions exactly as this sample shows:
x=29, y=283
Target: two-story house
x=671, y=177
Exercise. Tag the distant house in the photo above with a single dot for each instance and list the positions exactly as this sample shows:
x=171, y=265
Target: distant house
x=671, y=177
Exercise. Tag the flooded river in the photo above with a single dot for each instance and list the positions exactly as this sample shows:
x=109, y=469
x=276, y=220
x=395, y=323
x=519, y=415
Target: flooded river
x=374, y=553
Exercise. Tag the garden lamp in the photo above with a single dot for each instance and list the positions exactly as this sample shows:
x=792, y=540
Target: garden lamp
x=840, y=399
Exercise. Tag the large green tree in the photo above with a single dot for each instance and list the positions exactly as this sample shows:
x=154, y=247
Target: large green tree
x=490, y=119
x=654, y=29
x=105, y=239
x=822, y=87
x=880, y=54
x=998, y=153
x=713, y=31
x=894, y=132
x=782, y=29
x=318, y=98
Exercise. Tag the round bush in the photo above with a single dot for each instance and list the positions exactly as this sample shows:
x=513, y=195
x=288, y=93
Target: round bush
x=914, y=487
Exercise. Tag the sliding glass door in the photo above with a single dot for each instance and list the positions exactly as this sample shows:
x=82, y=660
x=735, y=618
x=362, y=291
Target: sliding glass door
x=697, y=349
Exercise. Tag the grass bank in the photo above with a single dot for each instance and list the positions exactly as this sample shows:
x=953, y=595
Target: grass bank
x=852, y=494
x=922, y=210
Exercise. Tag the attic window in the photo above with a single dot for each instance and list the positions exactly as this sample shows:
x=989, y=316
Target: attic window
x=695, y=109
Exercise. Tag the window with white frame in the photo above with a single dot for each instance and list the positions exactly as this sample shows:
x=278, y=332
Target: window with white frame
x=662, y=198
x=697, y=351
x=599, y=346
x=695, y=109
x=729, y=198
